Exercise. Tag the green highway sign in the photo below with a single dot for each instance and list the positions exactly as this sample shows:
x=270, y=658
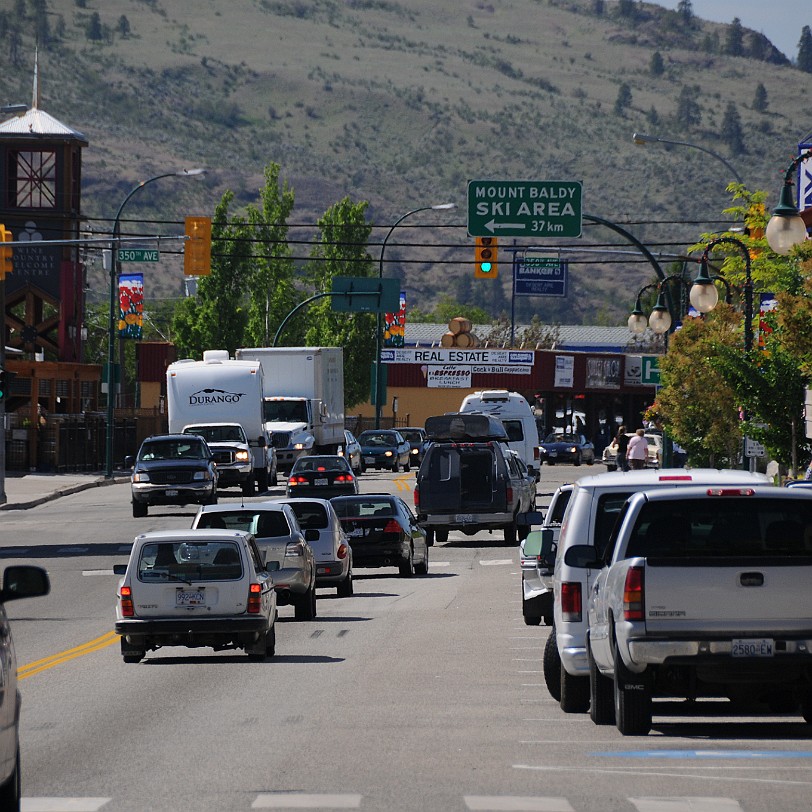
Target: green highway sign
x=651, y=370
x=138, y=255
x=365, y=294
x=524, y=208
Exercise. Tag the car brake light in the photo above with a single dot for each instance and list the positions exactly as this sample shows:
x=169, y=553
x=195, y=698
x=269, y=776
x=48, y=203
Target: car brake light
x=676, y=478
x=730, y=491
x=633, y=594
x=254, y=599
x=127, y=607
x=392, y=527
x=342, y=552
x=294, y=548
x=536, y=452
x=416, y=493
x=509, y=493
x=571, y=601
x=343, y=478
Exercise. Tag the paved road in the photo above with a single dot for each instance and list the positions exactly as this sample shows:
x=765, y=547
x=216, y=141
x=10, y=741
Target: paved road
x=414, y=694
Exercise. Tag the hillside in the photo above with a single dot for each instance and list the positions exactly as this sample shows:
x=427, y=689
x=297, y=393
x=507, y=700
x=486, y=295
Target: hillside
x=401, y=103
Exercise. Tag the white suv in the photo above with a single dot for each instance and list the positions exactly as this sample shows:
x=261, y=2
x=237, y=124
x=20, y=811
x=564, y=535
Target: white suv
x=590, y=517
x=195, y=588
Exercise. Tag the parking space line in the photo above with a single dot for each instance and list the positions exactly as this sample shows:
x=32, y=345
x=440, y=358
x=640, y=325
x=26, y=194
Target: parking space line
x=295, y=800
x=63, y=804
x=507, y=803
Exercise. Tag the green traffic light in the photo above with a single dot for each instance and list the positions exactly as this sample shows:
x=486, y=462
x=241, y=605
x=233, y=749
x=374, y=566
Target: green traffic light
x=485, y=267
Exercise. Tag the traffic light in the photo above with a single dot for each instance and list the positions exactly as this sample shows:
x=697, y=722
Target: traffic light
x=5, y=252
x=486, y=252
x=197, y=249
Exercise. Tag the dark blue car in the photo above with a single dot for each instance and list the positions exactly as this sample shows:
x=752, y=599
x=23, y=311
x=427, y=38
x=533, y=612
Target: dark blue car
x=572, y=448
x=385, y=449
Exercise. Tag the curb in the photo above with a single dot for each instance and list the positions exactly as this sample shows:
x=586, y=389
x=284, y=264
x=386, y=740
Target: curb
x=66, y=491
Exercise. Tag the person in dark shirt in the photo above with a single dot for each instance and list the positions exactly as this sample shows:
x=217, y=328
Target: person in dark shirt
x=621, y=443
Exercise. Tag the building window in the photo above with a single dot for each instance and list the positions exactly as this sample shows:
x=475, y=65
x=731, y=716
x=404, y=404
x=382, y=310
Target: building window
x=32, y=179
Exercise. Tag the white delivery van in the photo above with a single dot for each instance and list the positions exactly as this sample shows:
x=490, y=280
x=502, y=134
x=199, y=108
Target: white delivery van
x=517, y=417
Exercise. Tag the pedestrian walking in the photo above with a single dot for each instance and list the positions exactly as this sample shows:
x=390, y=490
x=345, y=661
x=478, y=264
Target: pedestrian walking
x=621, y=443
x=637, y=450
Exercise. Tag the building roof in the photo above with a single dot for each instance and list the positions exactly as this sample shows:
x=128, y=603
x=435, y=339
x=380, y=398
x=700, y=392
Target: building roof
x=36, y=122
x=574, y=338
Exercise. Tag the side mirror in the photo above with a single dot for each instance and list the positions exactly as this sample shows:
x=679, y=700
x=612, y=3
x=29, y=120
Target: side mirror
x=119, y=569
x=584, y=557
x=530, y=518
x=129, y=461
x=24, y=581
x=261, y=441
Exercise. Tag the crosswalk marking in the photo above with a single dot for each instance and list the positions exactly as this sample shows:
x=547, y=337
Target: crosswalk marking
x=298, y=800
x=63, y=804
x=686, y=804
x=507, y=803
x=496, y=562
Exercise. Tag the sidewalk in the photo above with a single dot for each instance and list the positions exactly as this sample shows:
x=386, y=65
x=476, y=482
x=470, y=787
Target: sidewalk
x=30, y=490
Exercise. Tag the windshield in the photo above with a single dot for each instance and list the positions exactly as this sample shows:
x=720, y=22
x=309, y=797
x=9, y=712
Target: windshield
x=359, y=508
x=561, y=438
x=190, y=560
x=376, y=439
x=311, y=516
x=262, y=523
x=412, y=436
x=284, y=411
x=171, y=450
x=218, y=434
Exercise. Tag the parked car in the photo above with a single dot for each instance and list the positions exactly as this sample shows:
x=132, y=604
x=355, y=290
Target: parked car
x=323, y=476
x=202, y=588
x=537, y=573
x=331, y=549
x=172, y=469
x=417, y=439
x=21, y=581
x=352, y=451
x=283, y=545
x=654, y=452
x=386, y=449
x=567, y=447
x=523, y=483
x=383, y=532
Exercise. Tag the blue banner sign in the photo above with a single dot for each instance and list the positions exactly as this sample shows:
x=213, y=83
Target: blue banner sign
x=540, y=276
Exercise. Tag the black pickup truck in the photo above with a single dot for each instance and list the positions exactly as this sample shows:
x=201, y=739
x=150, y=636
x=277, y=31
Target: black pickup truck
x=464, y=482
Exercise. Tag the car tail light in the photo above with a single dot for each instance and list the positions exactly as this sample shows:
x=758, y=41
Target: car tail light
x=571, y=601
x=342, y=552
x=297, y=480
x=254, y=599
x=633, y=594
x=416, y=497
x=127, y=607
x=676, y=478
x=730, y=491
x=536, y=453
x=294, y=549
x=344, y=478
x=509, y=494
x=392, y=527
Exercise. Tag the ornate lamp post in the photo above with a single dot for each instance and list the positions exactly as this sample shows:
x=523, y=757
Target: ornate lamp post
x=786, y=227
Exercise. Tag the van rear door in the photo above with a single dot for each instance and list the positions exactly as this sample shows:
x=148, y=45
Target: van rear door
x=462, y=478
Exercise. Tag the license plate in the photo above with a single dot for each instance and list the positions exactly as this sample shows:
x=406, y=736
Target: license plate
x=190, y=598
x=759, y=647
x=369, y=460
x=171, y=492
x=358, y=532
x=322, y=480
x=464, y=517
x=553, y=453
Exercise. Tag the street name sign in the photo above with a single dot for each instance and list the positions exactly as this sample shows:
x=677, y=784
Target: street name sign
x=540, y=276
x=524, y=208
x=138, y=255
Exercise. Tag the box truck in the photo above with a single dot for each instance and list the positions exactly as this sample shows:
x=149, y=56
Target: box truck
x=221, y=400
x=304, y=399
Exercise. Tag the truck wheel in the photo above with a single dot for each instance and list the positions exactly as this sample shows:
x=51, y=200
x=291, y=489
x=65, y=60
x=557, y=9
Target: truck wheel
x=247, y=487
x=140, y=509
x=552, y=666
x=264, y=647
x=601, y=700
x=345, y=588
x=262, y=480
x=130, y=654
x=574, y=693
x=441, y=536
x=510, y=533
x=532, y=620
x=632, y=701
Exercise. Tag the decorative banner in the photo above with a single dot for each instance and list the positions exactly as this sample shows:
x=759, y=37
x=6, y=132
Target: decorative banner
x=395, y=325
x=805, y=177
x=130, y=305
x=767, y=304
x=564, y=371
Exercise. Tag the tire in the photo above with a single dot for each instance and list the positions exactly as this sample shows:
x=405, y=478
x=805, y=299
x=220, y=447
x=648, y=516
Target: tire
x=601, y=699
x=407, y=465
x=345, y=588
x=532, y=620
x=140, y=510
x=264, y=647
x=247, y=487
x=441, y=536
x=129, y=655
x=523, y=531
x=510, y=533
x=407, y=567
x=305, y=606
x=611, y=468
x=262, y=480
x=578, y=459
x=632, y=701
x=574, y=692
x=274, y=479
x=552, y=666
x=429, y=536
x=10, y=794
x=423, y=569
x=806, y=710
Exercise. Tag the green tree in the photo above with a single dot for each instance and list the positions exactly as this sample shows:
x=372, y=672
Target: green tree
x=341, y=250
x=656, y=66
x=734, y=39
x=216, y=317
x=623, y=100
x=688, y=114
x=805, y=50
x=653, y=117
x=271, y=290
x=685, y=10
x=94, y=27
x=732, y=133
x=760, y=101
x=123, y=26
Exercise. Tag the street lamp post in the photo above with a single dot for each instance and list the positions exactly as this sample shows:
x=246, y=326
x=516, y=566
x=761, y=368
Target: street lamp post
x=115, y=269
x=641, y=138
x=786, y=227
x=378, y=404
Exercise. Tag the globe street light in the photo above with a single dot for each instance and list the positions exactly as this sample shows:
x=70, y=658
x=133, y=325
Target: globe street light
x=377, y=393
x=641, y=138
x=115, y=268
x=786, y=228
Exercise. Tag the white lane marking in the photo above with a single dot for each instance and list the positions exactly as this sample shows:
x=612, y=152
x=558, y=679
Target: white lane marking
x=434, y=563
x=496, y=562
x=486, y=803
x=63, y=804
x=527, y=659
x=296, y=800
x=98, y=572
x=686, y=804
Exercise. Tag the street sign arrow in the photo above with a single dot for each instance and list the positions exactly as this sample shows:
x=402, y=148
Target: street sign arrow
x=493, y=225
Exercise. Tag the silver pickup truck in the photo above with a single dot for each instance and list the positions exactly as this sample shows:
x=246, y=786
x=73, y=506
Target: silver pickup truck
x=702, y=592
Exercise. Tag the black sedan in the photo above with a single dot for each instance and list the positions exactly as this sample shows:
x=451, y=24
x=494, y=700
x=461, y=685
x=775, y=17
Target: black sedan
x=417, y=439
x=322, y=476
x=385, y=448
x=574, y=448
x=383, y=532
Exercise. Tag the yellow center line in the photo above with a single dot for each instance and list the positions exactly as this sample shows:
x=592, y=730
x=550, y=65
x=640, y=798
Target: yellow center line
x=403, y=483
x=63, y=656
